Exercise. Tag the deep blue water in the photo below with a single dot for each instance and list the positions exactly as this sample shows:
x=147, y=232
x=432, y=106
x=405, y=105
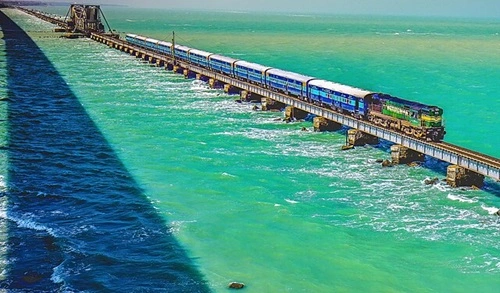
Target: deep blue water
x=77, y=219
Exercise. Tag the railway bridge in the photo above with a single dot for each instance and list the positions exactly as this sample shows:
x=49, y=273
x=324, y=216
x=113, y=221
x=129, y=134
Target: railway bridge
x=467, y=167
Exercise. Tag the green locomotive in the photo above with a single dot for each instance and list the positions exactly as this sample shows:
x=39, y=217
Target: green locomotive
x=412, y=118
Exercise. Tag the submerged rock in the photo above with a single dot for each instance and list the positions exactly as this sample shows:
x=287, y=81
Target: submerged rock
x=387, y=163
x=347, y=147
x=236, y=285
x=431, y=181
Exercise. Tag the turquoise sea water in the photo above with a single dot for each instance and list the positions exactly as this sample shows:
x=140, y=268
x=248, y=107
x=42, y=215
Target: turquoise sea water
x=251, y=199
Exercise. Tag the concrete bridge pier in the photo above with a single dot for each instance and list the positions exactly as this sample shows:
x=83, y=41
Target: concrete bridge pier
x=358, y=138
x=231, y=90
x=188, y=73
x=292, y=113
x=269, y=104
x=215, y=84
x=403, y=155
x=457, y=176
x=159, y=63
x=202, y=77
x=322, y=124
x=169, y=66
x=177, y=69
x=247, y=96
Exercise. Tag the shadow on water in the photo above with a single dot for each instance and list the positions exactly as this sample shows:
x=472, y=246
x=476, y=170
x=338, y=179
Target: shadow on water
x=77, y=221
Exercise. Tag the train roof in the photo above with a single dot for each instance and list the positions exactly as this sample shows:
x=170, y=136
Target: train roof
x=200, y=52
x=412, y=104
x=165, y=43
x=290, y=75
x=223, y=58
x=152, y=40
x=132, y=35
x=251, y=65
x=183, y=48
x=357, y=92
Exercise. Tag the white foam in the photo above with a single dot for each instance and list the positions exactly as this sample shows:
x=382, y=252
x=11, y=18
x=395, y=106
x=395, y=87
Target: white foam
x=228, y=175
x=461, y=198
x=490, y=210
x=291, y=201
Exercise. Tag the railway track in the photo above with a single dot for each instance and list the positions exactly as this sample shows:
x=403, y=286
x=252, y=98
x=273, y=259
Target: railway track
x=469, y=153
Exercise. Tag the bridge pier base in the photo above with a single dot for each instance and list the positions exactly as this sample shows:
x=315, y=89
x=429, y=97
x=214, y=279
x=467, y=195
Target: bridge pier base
x=358, y=138
x=403, y=155
x=159, y=63
x=269, y=104
x=202, y=77
x=188, y=73
x=231, y=90
x=322, y=124
x=247, y=96
x=457, y=176
x=177, y=69
x=292, y=113
x=215, y=84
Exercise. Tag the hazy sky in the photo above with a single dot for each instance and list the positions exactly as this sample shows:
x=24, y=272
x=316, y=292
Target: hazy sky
x=473, y=8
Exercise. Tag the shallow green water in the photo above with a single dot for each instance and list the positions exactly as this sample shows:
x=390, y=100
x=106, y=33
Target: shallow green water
x=255, y=200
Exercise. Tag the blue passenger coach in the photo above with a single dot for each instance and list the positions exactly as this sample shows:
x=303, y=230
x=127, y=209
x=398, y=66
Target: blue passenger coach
x=251, y=72
x=199, y=57
x=165, y=48
x=287, y=82
x=152, y=44
x=221, y=64
x=338, y=96
x=182, y=52
x=136, y=40
x=131, y=38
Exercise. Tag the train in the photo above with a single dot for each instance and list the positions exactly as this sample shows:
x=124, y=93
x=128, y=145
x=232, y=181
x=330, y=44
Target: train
x=408, y=117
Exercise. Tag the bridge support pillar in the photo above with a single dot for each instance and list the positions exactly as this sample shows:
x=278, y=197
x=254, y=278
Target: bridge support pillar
x=215, y=84
x=202, y=77
x=247, y=96
x=403, y=155
x=188, y=73
x=322, y=124
x=177, y=69
x=168, y=66
x=159, y=63
x=269, y=104
x=457, y=176
x=292, y=113
x=231, y=90
x=358, y=138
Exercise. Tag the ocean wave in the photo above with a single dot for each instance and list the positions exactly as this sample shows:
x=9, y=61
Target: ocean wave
x=461, y=198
